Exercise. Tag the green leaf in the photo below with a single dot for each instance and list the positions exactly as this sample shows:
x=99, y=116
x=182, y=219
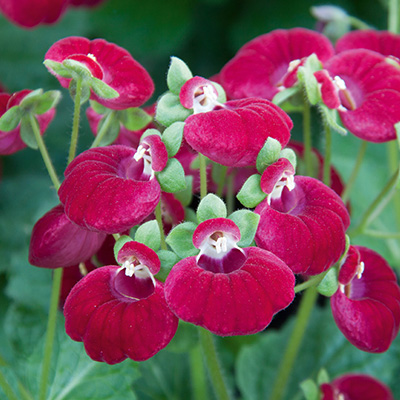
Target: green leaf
x=98, y=108
x=285, y=94
x=134, y=119
x=149, y=132
x=27, y=133
x=329, y=285
x=221, y=92
x=290, y=155
x=330, y=117
x=306, y=76
x=112, y=127
x=120, y=243
x=251, y=195
x=268, y=154
x=180, y=240
x=58, y=68
x=323, y=377
x=46, y=101
x=178, y=74
x=185, y=196
x=170, y=110
x=30, y=100
x=149, y=234
x=10, y=119
x=310, y=389
x=211, y=207
x=167, y=259
x=102, y=89
x=77, y=69
x=172, y=177
x=247, y=221
x=172, y=138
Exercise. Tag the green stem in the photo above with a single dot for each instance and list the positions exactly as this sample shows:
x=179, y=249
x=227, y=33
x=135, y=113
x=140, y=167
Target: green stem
x=203, y=176
x=221, y=180
x=213, y=364
x=198, y=376
x=43, y=151
x=314, y=281
x=393, y=16
x=358, y=24
x=377, y=205
x=230, y=195
x=306, y=306
x=354, y=173
x=382, y=235
x=161, y=226
x=307, y=138
x=75, y=123
x=7, y=388
x=328, y=156
x=104, y=128
x=50, y=333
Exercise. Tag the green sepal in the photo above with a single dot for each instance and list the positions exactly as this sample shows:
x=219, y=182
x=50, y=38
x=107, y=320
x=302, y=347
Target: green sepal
x=211, y=207
x=268, y=154
x=330, y=117
x=102, y=90
x=58, y=68
x=310, y=389
x=167, y=260
x=119, y=243
x=247, y=222
x=185, y=196
x=180, y=240
x=27, y=133
x=149, y=132
x=149, y=234
x=221, y=92
x=10, y=119
x=285, y=94
x=190, y=215
x=47, y=101
x=251, y=195
x=134, y=118
x=172, y=138
x=323, y=377
x=85, y=91
x=97, y=107
x=113, y=129
x=170, y=110
x=305, y=75
x=172, y=177
x=329, y=285
x=290, y=155
x=77, y=69
x=178, y=74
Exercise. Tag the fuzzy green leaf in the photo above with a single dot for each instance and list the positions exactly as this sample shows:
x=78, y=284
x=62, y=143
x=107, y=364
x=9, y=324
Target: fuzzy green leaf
x=77, y=69
x=27, y=133
x=10, y=119
x=119, y=243
x=172, y=138
x=211, y=207
x=149, y=132
x=251, y=195
x=180, y=240
x=268, y=154
x=247, y=221
x=102, y=89
x=330, y=117
x=167, y=259
x=329, y=285
x=149, y=234
x=47, y=100
x=98, y=108
x=134, y=119
x=170, y=110
x=172, y=177
x=178, y=74
x=185, y=196
x=58, y=68
x=290, y=155
x=306, y=76
x=112, y=129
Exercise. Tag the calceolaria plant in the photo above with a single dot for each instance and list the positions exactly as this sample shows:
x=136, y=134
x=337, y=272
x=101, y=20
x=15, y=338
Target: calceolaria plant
x=199, y=217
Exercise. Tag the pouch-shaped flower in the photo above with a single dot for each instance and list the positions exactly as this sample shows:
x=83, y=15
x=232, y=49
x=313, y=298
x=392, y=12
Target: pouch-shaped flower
x=366, y=307
x=226, y=289
x=120, y=312
x=110, y=189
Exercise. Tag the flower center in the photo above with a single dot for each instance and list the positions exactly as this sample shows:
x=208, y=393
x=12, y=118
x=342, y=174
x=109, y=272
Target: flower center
x=205, y=99
x=286, y=180
x=144, y=152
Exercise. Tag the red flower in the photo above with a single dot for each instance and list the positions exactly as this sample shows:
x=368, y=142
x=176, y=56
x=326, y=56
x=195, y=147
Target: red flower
x=302, y=220
x=58, y=242
x=11, y=142
x=120, y=312
x=110, y=189
x=366, y=91
x=269, y=63
x=226, y=289
x=111, y=64
x=366, y=307
x=355, y=387
x=233, y=134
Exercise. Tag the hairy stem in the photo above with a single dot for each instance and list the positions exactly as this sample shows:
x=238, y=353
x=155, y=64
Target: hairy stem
x=75, y=123
x=328, y=156
x=203, y=176
x=103, y=130
x=307, y=138
x=198, y=376
x=161, y=226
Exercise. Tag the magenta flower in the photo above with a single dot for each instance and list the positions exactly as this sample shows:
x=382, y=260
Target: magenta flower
x=233, y=134
x=110, y=189
x=302, y=221
x=365, y=89
x=355, y=387
x=366, y=307
x=29, y=13
x=226, y=289
x=111, y=64
x=269, y=63
x=11, y=142
x=57, y=242
x=120, y=312
x=383, y=42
